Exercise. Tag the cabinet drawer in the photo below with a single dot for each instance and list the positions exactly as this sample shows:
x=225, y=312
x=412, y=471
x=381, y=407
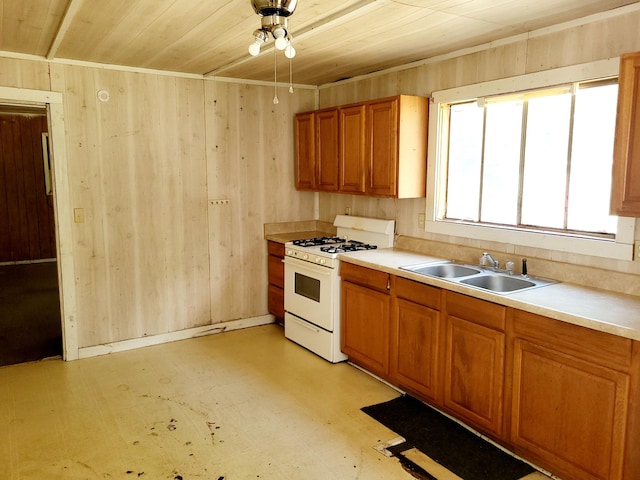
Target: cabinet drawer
x=418, y=292
x=276, y=249
x=479, y=311
x=590, y=345
x=364, y=276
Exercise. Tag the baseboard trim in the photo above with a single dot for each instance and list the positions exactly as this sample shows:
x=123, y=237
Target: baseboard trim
x=108, y=348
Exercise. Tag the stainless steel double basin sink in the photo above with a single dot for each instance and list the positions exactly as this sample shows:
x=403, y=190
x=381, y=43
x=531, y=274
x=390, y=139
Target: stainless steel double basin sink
x=496, y=281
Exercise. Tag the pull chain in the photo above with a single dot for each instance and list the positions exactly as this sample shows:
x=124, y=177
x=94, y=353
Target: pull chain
x=275, y=77
x=291, y=75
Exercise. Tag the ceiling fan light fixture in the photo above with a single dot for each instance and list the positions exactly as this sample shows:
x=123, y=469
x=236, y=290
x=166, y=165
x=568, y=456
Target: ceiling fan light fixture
x=254, y=49
x=274, y=23
x=259, y=37
x=280, y=34
x=289, y=51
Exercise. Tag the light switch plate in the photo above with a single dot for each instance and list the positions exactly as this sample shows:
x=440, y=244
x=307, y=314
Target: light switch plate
x=78, y=215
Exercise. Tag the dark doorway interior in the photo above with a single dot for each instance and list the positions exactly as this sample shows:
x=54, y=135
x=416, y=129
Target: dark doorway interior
x=30, y=327
x=30, y=323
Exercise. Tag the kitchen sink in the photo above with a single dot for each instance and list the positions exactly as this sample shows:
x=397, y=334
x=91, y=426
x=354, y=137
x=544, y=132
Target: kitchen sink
x=443, y=270
x=496, y=281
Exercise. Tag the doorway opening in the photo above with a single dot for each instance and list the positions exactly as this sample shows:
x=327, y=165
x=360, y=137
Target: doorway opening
x=30, y=319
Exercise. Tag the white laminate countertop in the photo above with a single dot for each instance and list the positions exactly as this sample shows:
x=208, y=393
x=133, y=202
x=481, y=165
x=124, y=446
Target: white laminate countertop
x=601, y=310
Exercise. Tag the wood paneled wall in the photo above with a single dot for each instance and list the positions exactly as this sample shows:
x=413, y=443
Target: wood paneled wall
x=598, y=40
x=26, y=211
x=20, y=73
x=155, y=254
x=137, y=169
x=250, y=165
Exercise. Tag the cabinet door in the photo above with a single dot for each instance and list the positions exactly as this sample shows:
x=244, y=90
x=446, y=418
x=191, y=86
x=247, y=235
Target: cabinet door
x=305, y=151
x=382, y=152
x=276, y=303
x=365, y=327
x=276, y=280
x=352, y=149
x=327, y=150
x=625, y=187
x=414, y=348
x=568, y=414
x=474, y=374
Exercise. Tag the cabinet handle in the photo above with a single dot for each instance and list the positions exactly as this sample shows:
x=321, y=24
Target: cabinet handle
x=388, y=283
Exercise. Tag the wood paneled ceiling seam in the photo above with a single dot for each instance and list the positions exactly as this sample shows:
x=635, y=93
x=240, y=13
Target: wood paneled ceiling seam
x=72, y=9
x=315, y=27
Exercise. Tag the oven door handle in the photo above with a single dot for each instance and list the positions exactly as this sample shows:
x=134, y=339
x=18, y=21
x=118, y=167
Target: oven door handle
x=311, y=267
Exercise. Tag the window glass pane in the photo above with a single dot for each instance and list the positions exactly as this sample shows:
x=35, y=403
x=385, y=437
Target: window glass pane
x=545, y=161
x=465, y=155
x=591, y=158
x=501, y=163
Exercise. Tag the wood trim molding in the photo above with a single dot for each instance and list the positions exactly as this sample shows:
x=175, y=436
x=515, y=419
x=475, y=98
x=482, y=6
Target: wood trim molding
x=94, y=351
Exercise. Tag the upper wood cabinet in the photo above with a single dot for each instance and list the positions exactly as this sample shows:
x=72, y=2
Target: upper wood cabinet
x=397, y=146
x=305, y=151
x=353, y=152
x=376, y=148
x=625, y=187
x=326, y=145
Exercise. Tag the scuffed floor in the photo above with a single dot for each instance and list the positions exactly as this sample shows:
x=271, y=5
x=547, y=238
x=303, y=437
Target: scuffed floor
x=247, y=404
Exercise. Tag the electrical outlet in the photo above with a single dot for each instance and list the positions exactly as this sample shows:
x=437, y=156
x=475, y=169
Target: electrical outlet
x=421, y=220
x=636, y=251
x=347, y=211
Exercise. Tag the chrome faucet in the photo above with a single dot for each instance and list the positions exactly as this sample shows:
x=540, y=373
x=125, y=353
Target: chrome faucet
x=494, y=263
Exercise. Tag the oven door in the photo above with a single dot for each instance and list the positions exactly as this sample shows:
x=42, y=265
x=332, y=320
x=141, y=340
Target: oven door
x=310, y=292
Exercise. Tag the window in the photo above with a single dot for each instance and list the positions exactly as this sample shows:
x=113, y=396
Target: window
x=527, y=160
x=536, y=160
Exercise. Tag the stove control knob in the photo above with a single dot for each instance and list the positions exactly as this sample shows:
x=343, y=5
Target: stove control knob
x=305, y=257
x=322, y=261
x=289, y=252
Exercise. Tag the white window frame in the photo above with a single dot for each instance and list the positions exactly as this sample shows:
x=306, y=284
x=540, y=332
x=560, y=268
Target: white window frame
x=620, y=248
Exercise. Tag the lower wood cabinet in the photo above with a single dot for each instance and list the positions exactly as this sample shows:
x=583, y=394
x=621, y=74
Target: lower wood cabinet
x=415, y=338
x=474, y=363
x=276, y=280
x=570, y=405
x=365, y=317
x=565, y=397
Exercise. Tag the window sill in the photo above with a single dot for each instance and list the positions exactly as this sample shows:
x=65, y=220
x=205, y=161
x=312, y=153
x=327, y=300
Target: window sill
x=619, y=249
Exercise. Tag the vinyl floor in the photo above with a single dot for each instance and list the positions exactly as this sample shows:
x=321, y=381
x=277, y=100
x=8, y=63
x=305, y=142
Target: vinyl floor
x=245, y=404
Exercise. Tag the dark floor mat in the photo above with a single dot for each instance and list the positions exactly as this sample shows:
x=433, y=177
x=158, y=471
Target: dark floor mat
x=446, y=442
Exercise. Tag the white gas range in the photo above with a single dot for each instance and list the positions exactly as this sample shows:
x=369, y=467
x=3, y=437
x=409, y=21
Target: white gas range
x=312, y=281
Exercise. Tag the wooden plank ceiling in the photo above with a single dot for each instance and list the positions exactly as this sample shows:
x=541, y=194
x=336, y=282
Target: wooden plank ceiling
x=335, y=39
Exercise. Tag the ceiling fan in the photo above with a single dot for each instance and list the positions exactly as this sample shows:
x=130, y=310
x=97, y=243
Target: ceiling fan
x=274, y=17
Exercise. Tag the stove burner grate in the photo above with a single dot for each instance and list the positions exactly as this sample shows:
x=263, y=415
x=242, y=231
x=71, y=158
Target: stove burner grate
x=313, y=242
x=352, y=246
